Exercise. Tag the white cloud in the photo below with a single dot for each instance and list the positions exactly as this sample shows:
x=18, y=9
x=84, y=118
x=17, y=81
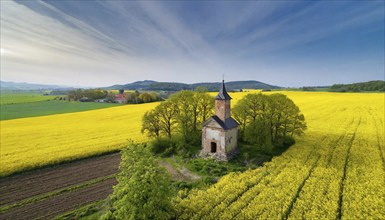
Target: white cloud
x=148, y=40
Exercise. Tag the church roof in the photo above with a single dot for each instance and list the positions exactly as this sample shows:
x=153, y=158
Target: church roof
x=229, y=123
x=222, y=94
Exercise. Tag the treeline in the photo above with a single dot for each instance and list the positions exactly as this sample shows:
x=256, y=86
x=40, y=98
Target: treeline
x=371, y=86
x=144, y=97
x=268, y=120
x=90, y=95
x=179, y=119
x=87, y=94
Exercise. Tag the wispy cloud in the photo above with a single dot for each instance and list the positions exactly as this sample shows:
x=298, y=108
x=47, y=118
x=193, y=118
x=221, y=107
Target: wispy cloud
x=108, y=42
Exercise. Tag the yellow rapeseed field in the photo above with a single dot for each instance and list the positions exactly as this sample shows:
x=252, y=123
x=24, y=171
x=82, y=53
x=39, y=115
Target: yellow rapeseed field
x=336, y=170
x=31, y=142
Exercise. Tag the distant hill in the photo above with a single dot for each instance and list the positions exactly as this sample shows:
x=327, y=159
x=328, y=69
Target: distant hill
x=371, y=86
x=139, y=85
x=11, y=86
x=174, y=86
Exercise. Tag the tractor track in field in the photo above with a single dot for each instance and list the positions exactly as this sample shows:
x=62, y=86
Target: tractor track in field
x=29, y=186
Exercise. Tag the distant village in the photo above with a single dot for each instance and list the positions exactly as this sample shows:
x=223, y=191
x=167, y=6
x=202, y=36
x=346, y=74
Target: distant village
x=104, y=96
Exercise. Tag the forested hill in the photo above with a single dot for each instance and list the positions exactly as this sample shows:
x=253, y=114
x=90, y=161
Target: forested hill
x=371, y=86
x=15, y=86
x=173, y=86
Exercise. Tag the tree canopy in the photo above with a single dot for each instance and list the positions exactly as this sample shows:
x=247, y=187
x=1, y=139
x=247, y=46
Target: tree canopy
x=183, y=114
x=144, y=189
x=267, y=120
x=370, y=86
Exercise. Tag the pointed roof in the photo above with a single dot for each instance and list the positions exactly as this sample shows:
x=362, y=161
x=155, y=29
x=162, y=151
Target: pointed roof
x=222, y=94
x=229, y=123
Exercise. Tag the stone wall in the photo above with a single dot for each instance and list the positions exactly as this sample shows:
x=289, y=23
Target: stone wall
x=226, y=142
x=231, y=140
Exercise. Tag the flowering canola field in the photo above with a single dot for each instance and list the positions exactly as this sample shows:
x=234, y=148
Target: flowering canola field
x=335, y=171
x=27, y=143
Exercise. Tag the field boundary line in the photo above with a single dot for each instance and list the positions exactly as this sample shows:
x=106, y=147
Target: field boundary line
x=69, y=214
x=51, y=194
x=63, y=162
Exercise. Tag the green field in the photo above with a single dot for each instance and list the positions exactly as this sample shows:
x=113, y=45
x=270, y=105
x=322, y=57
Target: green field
x=23, y=97
x=42, y=108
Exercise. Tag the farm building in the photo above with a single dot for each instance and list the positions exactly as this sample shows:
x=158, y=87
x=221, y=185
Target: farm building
x=220, y=132
x=120, y=98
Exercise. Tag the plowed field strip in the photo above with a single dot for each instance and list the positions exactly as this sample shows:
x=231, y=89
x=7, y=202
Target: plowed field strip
x=44, y=196
x=49, y=208
x=26, y=185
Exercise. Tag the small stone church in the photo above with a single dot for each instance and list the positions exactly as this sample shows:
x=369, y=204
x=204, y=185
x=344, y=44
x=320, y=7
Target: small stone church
x=220, y=132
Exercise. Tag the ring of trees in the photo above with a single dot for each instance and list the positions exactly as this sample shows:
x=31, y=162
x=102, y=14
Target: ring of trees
x=265, y=120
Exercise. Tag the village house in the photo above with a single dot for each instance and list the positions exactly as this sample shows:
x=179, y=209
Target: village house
x=120, y=98
x=220, y=132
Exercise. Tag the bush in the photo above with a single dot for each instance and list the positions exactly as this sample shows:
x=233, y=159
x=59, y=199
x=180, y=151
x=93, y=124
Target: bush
x=163, y=146
x=166, y=147
x=211, y=168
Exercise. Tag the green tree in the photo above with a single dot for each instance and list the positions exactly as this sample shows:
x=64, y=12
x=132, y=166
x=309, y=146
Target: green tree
x=151, y=123
x=183, y=114
x=145, y=97
x=250, y=109
x=168, y=117
x=205, y=107
x=185, y=103
x=201, y=89
x=144, y=189
x=258, y=134
x=267, y=120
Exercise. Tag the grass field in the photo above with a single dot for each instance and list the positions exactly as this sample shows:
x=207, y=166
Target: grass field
x=42, y=108
x=335, y=171
x=23, y=97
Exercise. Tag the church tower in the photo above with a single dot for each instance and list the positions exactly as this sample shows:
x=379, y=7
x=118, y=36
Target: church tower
x=222, y=103
x=220, y=132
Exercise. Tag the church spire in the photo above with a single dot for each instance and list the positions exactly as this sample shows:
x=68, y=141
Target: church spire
x=222, y=94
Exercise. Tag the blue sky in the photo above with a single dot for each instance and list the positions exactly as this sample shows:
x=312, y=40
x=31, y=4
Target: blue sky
x=100, y=43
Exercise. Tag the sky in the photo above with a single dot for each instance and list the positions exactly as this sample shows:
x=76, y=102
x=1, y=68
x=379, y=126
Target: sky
x=102, y=43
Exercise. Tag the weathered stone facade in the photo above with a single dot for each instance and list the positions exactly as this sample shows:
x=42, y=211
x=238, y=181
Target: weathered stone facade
x=222, y=109
x=220, y=132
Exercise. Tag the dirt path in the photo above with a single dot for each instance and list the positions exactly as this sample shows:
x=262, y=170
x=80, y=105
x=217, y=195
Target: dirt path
x=178, y=174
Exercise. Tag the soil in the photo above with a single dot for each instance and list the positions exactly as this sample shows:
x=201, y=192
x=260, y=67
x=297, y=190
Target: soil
x=26, y=185
x=35, y=183
x=49, y=208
